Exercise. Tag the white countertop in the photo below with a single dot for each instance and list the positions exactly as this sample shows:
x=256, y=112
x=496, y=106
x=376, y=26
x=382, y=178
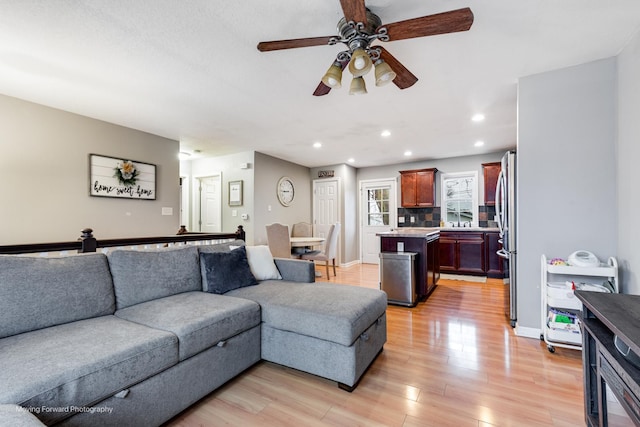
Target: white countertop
x=469, y=229
x=427, y=231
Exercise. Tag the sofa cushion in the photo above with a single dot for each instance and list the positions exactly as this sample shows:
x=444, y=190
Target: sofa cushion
x=224, y=271
x=15, y=416
x=200, y=320
x=140, y=276
x=80, y=363
x=37, y=293
x=337, y=313
x=261, y=263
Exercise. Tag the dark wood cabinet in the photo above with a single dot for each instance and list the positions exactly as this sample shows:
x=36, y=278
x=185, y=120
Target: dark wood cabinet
x=427, y=267
x=462, y=252
x=491, y=172
x=611, y=379
x=448, y=251
x=494, y=263
x=418, y=188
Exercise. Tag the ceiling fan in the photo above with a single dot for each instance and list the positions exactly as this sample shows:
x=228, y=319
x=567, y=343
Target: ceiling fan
x=358, y=29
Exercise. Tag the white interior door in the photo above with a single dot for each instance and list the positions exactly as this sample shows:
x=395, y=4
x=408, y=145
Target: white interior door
x=210, y=204
x=379, y=213
x=326, y=209
x=184, y=203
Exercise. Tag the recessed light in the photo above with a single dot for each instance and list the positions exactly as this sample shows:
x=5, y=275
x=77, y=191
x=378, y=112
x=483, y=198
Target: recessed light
x=408, y=153
x=478, y=117
x=317, y=144
x=385, y=133
x=351, y=160
x=478, y=144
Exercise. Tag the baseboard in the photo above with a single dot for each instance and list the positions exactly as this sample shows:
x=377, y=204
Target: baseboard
x=525, y=332
x=479, y=279
x=351, y=263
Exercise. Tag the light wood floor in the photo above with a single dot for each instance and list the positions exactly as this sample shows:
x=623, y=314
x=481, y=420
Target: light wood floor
x=451, y=361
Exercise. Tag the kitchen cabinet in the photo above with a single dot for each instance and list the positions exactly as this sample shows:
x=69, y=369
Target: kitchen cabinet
x=425, y=245
x=494, y=263
x=462, y=252
x=418, y=188
x=491, y=172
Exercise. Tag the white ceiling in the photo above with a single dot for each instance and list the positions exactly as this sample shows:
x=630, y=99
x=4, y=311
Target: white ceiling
x=190, y=71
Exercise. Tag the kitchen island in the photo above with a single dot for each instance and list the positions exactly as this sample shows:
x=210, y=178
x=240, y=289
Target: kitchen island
x=424, y=242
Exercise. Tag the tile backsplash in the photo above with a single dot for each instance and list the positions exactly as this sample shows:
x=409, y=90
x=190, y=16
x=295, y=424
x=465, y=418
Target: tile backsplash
x=430, y=217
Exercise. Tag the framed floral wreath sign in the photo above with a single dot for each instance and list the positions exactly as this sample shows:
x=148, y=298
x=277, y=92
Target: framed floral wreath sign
x=121, y=178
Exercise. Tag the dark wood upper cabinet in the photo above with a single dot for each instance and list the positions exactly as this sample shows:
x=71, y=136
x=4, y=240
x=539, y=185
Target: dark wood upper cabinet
x=418, y=188
x=491, y=172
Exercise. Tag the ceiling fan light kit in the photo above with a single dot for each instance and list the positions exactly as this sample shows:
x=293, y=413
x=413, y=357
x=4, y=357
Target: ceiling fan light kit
x=358, y=29
x=384, y=73
x=360, y=63
x=357, y=86
x=333, y=76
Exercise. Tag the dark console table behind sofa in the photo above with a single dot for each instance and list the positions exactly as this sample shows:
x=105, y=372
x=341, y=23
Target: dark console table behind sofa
x=607, y=373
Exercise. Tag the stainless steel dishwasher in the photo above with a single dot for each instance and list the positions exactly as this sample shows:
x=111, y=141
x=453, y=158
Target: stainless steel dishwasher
x=398, y=277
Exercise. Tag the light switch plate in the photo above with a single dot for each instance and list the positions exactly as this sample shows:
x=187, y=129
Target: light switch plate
x=167, y=211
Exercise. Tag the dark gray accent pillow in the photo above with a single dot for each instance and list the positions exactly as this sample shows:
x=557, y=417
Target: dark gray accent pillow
x=225, y=271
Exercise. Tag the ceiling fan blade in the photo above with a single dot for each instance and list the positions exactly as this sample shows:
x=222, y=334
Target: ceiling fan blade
x=440, y=23
x=404, y=78
x=354, y=10
x=294, y=43
x=322, y=88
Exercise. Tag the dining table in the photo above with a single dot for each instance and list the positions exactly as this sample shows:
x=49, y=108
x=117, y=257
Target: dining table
x=302, y=242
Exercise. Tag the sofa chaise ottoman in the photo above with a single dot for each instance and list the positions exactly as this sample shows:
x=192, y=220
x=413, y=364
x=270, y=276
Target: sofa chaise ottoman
x=333, y=331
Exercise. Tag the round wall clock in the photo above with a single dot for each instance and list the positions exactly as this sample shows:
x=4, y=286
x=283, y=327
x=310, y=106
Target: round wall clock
x=285, y=191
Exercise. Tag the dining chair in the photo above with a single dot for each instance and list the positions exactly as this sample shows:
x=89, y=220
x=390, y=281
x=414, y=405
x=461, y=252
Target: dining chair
x=278, y=241
x=330, y=251
x=301, y=229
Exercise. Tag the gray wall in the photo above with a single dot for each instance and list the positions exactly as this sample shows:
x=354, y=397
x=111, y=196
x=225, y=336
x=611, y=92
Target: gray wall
x=44, y=177
x=267, y=208
x=349, y=247
x=230, y=169
x=260, y=201
x=566, y=172
x=628, y=154
x=450, y=165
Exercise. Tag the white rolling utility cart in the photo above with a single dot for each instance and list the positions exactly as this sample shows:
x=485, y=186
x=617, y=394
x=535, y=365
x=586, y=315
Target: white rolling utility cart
x=560, y=307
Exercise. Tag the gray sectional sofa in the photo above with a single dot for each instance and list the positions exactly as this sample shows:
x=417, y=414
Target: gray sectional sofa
x=132, y=338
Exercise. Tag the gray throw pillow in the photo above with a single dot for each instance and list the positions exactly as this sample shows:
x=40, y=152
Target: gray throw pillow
x=226, y=271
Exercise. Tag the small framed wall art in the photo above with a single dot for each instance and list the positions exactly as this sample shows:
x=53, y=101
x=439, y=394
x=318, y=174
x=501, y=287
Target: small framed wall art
x=121, y=178
x=235, y=193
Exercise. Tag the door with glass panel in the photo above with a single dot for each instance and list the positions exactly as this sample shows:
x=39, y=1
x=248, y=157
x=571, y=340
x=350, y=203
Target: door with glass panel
x=378, y=207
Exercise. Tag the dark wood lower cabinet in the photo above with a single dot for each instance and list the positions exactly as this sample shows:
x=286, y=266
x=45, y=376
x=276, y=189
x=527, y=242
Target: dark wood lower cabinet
x=448, y=251
x=462, y=252
x=427, y=266
x=495, y=263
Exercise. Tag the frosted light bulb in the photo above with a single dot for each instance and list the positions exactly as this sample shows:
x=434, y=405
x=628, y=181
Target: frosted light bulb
x=359, y=63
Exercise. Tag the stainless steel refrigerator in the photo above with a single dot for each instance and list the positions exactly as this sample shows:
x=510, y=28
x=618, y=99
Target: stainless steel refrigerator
x=506, y=218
